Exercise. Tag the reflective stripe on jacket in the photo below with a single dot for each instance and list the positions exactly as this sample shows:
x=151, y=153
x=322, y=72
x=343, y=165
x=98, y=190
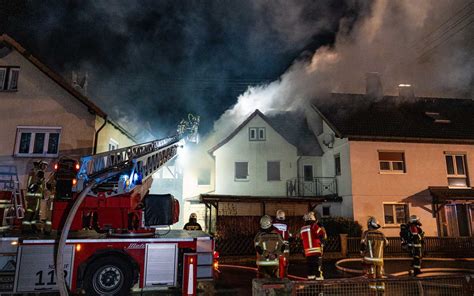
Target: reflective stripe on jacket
x=312, y=236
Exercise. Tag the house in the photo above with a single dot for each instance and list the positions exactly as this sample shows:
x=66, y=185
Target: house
x=270, y=161
x=44, y=117
x=396, y=156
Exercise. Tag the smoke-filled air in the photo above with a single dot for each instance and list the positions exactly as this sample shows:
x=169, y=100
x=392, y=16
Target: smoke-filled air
x=427, y=44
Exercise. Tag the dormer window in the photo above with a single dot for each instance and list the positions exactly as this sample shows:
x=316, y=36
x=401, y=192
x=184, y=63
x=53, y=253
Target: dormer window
x=257, y=134
x=9, y=78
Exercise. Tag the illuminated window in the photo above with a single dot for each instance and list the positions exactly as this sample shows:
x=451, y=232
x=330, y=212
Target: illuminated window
x=395, y=213
x=37, y=141
x=392, y=162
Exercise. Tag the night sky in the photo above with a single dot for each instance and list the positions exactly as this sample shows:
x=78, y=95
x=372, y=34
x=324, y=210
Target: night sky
x=156, y=61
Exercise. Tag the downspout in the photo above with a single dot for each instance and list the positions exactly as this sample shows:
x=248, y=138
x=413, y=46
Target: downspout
x=96, y=136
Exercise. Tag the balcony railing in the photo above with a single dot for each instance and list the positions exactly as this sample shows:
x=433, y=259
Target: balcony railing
x=319, y=186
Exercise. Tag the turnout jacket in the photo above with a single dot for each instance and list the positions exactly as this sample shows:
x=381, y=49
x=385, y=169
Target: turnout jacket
x=312, y=236
x=372, y=245
x=269, y=246
x=282, y=228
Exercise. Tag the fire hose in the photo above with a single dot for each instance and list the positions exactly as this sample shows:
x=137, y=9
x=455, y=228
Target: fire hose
x=63, y=291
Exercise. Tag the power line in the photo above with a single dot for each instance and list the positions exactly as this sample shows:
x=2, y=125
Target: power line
x=442, y=24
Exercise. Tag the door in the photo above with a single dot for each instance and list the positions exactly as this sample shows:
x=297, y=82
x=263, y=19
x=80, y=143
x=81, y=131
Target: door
x=459, y=218
x=309, y=186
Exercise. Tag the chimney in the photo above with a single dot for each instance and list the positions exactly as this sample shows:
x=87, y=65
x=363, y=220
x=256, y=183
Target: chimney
x=80, y=81
x=373, y=85
x=406, y=91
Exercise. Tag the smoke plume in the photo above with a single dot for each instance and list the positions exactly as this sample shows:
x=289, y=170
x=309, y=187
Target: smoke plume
x=425, y=43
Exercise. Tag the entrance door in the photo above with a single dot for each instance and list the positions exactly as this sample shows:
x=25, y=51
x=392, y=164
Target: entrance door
x=459, y=218
x=309, y=188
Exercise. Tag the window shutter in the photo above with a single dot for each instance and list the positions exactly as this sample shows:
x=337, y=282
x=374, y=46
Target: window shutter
x=3, y=75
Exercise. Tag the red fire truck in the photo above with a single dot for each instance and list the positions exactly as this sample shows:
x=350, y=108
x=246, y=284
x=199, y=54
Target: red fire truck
x=109, y=235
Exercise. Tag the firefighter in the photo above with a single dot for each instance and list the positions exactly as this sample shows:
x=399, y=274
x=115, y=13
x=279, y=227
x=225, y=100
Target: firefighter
x=192, y=224
x=372, y=245
x=313, y=236
x=269, y=245
x=34, y=194
x=412, y=237
x=281, y=226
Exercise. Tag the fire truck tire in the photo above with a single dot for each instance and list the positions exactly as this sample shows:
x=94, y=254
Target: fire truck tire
x=108, y=276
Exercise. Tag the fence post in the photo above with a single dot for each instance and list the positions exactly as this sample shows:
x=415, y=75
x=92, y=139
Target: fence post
x=343, y=237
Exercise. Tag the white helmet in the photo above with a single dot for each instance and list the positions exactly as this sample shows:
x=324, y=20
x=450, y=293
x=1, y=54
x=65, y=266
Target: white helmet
x=414, y=219
x=265, y=222
x=280, y=215
x=372, y=223
x=310, y=216
x=193, y=216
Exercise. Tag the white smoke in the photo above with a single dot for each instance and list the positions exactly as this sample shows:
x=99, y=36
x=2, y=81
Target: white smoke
x=424, y=43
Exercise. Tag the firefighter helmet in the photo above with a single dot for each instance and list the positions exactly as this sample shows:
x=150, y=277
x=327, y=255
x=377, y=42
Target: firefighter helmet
x=310, y=216
x=265, y=222
x=372, y=223
x=280, y=215
x=193, y=216
x=414, y=219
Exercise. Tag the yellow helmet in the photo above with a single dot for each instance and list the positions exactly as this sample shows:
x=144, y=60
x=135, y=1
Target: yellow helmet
x=265, y=222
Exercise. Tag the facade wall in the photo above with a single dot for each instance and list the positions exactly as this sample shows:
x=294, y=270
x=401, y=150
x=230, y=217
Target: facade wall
x=39, y=101
x=256, y=153
x=339, y=147
x=110, y=135
x=425, y=166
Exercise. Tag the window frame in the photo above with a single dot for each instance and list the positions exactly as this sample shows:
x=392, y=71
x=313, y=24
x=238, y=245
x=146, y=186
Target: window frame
x=279, y=171
x=391, y=169
x=113, y=142
x=336, y=162
x=235, y=172
x=257, y=131
x=6, y=83
x=33, y=130
x=465, y=176
x=394, y=213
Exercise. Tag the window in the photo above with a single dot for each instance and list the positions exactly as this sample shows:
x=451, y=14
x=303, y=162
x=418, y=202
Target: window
x=9, y=78
x=456, y=170
x=37, y=141
x=257, y=134
x=273, y=171
x=308, y=173
x=337, y=164
x=204, y=177
x=395, y=213
x=241, y=171
x=113, y=145
x=392, y=162
x=326, y=211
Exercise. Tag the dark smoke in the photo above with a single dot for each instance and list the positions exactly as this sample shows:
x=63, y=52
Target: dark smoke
x=152, y=62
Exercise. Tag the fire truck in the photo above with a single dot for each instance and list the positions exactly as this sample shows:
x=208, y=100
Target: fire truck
x=109, y=235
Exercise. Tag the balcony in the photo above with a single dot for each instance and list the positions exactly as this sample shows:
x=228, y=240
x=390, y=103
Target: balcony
x=317, y=187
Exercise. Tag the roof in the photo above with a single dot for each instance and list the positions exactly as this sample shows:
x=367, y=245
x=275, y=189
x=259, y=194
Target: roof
x=441, y=194
x=93, y=108
x=206, y=198
x=292, y=126
x=356, y=116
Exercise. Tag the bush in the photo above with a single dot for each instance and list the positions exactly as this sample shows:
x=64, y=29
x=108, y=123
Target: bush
x=340, y=225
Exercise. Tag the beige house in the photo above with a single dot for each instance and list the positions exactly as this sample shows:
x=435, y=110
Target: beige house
x=396, y=156
x=44, y=116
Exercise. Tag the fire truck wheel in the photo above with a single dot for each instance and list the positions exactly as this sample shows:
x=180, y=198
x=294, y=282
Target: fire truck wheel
x=108, y=276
